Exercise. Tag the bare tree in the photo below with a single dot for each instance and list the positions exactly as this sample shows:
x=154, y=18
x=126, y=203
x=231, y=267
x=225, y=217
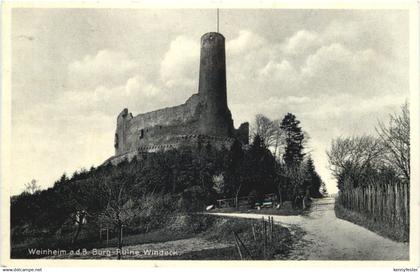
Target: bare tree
x=120, y=210
x=265, y=128
x=32, y=187
x=396, y=141
x=279, y=138
x=237, y=191
x=355, y=153
x=269, y=131
x=80, y=219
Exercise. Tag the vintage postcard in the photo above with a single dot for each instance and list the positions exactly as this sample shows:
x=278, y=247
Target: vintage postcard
x=151, y=132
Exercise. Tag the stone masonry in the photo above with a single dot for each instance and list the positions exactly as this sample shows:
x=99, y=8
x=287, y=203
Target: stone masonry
x=203, y=118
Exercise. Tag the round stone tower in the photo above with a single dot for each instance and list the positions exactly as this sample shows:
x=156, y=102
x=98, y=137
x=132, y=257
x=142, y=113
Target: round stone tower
x=216, y=119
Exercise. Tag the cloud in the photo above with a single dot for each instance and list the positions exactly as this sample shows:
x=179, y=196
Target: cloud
x=326, y=58
x=266, y=76
x=109, y=81
x=319, y=76
x=330, y=57
x=338, y=79
x=278, y=71
x=135, y=93
x=105, y=67
x=327, y=68
x=245, y=42
x=58, y=136
x=132, y=85
x=301, y=42
x=334, y=83
x=180, y=63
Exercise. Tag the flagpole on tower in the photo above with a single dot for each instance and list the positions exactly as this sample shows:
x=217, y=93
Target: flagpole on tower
x=217, y=20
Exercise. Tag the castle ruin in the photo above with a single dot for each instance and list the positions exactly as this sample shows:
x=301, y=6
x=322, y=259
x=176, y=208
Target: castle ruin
x=203, y=118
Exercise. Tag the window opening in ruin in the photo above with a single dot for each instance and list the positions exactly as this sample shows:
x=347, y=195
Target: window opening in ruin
x=116, y=141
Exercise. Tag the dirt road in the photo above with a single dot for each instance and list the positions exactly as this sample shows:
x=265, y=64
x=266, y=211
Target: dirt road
x=330, y=238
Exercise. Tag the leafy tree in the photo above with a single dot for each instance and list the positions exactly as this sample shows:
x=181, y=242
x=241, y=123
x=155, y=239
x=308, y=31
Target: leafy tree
x=184, y=176
x=234, y=171
x=62, y=179
x=294, y=139
x=297, y=182
x=259, y=167
x=314, y=180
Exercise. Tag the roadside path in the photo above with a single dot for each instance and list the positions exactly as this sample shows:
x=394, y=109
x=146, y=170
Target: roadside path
x=330, y=238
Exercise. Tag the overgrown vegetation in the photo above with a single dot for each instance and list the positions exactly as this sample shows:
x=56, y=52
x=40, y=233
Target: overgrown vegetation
x=364, y=220
x=217, y=235
x=250, y=232
x=373, y=175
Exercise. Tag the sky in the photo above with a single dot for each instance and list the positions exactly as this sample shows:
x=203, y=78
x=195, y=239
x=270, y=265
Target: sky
x=74, y=70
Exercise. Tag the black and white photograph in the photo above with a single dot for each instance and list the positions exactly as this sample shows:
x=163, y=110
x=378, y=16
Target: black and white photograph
x=210, y=133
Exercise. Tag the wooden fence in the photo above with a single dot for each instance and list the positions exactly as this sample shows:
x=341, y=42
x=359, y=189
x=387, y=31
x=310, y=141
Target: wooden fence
x=388, y=203
x=265, y=239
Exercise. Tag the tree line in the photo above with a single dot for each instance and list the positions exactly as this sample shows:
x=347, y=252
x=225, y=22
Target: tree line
x=141, y=194
x=373, y=177
x=295, y=170
x=369, y=159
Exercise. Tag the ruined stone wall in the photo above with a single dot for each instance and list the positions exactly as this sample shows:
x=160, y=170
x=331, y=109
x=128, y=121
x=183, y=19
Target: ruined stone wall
x=242, y=133
x=205, y=114
x=194, y=141
x=158, y=126
x=167, y=116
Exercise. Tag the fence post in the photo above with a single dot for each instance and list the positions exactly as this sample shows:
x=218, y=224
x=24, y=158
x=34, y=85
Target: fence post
x=237, y=245
x=265, y=240
x=397, y=204
x=253, y=232
x=262, y=224
x=272, y=228
x=405, y=201
x=384, y=202
x=243, y=245
x=121, y=235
